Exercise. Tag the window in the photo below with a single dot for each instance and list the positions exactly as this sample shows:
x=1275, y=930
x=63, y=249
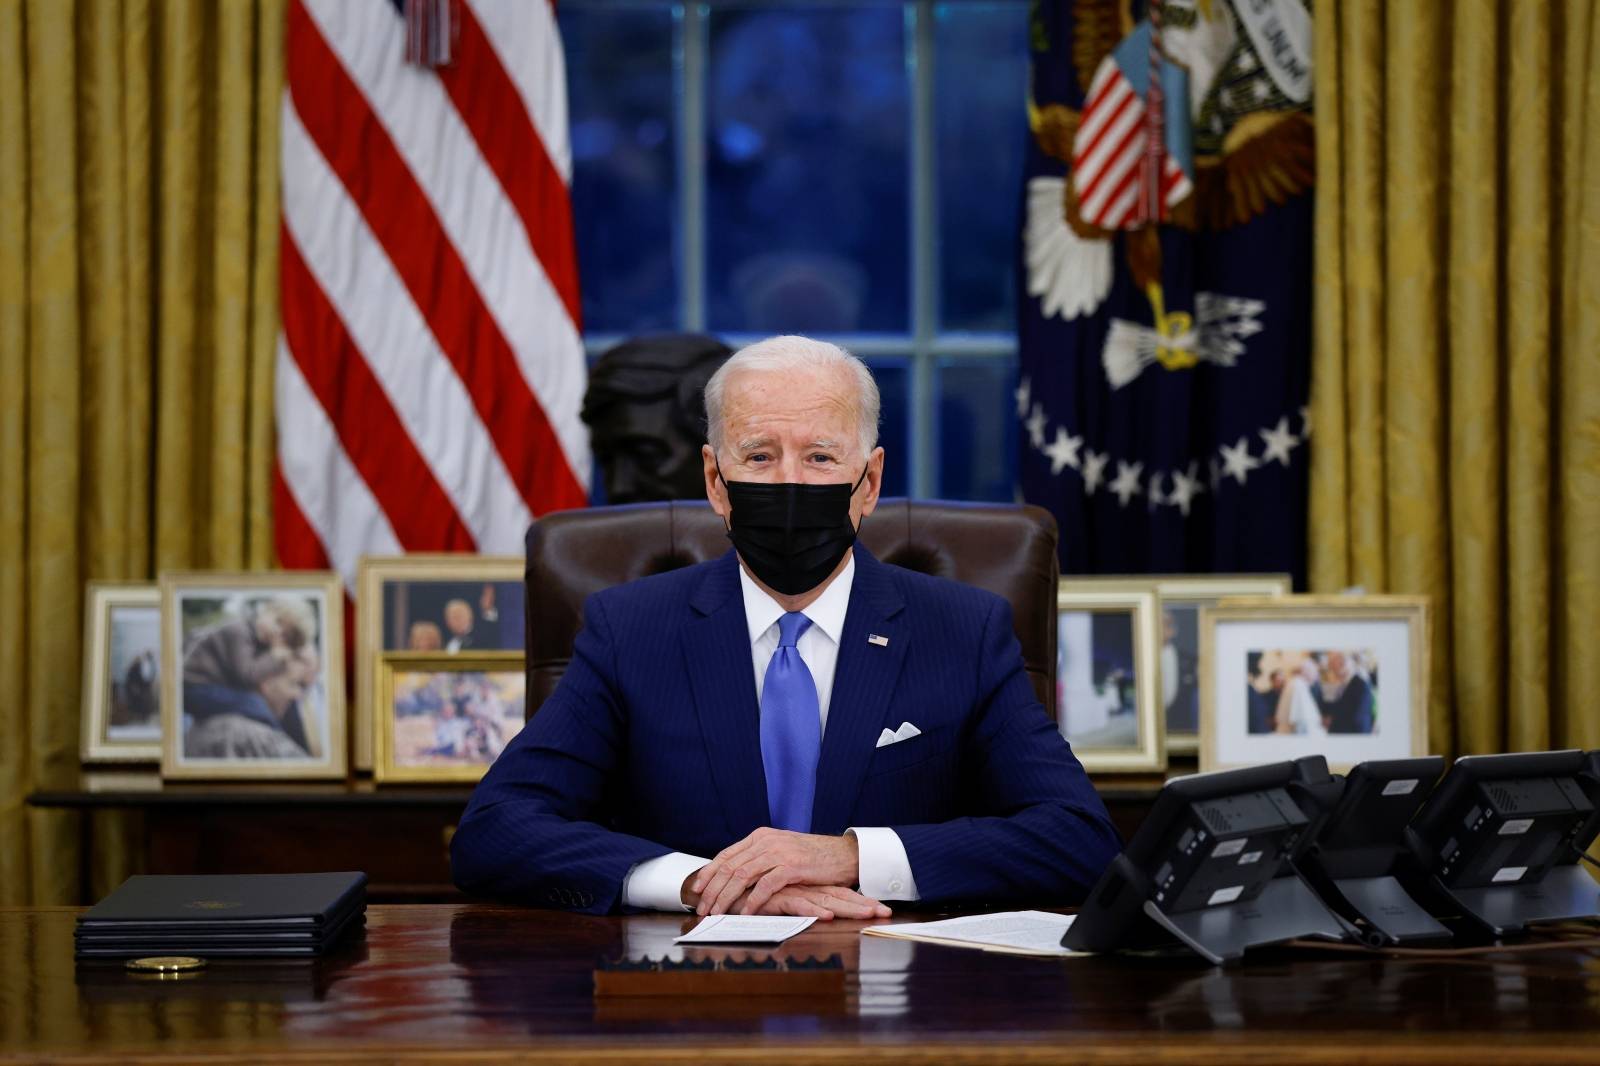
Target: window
x=849, y=169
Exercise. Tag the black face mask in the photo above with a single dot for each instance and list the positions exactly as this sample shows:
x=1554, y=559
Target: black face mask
x=790, y=535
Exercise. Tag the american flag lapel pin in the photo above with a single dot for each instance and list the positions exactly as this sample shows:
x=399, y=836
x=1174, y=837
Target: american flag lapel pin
x=873, y=638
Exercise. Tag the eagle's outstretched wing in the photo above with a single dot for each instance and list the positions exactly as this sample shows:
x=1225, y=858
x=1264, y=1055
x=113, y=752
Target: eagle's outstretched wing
x=1267, y=158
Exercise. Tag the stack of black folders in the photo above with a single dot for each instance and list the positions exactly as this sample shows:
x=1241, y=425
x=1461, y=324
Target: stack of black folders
x=224, y=915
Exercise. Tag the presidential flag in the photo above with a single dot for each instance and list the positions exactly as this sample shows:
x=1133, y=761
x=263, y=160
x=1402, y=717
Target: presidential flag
x=430, y=370
x=1165, y=325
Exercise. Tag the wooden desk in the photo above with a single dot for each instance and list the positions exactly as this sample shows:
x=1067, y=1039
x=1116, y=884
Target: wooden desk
x=473, y=983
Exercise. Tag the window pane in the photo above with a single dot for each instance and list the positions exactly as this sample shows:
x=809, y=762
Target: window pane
x=621, y=105
x=981, y=85
x=894, y=428
x=977, y=429
x=807, y=128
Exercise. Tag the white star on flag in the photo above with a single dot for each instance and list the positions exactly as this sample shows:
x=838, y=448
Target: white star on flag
x=1094, y=470
x=1126, y=484
x=1023, y=394
x=1157, y=497
x=1185, y=487
x=1035, y=426
x=1237, y=461
x=1063, y=451
x=1279, y=442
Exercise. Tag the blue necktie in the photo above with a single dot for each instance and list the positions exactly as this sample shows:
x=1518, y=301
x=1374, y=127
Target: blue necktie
x=791, y=729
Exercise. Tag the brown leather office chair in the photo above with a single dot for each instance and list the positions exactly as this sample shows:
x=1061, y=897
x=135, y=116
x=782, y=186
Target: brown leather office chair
x=1008, y=549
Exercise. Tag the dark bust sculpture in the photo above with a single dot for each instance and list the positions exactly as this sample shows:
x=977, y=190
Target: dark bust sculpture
x=646, y=412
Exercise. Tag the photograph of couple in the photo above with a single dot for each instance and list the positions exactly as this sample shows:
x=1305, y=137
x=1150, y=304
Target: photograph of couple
x=1312, y=693
x=252, y=676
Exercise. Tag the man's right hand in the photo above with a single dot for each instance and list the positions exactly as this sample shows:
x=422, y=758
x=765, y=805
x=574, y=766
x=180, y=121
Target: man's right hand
x=824, y=902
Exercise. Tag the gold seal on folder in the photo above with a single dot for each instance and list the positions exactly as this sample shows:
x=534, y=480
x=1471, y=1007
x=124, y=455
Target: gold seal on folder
x=166, y=964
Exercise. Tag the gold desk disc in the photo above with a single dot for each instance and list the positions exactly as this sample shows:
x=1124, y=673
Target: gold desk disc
x=166, y=964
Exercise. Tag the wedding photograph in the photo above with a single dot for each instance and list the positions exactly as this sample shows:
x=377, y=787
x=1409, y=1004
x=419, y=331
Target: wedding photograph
x=1312, y=692
x=1107, y=698
x=1343, y=677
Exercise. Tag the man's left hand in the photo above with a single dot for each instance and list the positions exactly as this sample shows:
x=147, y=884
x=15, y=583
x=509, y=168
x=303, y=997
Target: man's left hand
x=769, y=860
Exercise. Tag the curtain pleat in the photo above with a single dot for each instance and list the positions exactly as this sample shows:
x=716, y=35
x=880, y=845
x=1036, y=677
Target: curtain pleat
x=1529, y=279
x=15, y=878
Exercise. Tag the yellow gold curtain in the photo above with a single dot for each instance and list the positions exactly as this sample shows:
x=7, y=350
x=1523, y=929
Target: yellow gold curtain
x=1456, y=372
x=138, y=311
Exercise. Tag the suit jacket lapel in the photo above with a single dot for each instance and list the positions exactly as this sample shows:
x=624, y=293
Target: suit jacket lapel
x=863, y=683
x=716, y=649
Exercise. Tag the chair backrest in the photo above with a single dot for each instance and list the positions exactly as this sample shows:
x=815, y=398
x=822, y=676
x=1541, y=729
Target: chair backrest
x=1008, y=549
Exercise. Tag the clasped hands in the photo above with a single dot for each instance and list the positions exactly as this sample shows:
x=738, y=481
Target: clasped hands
x=775, y=871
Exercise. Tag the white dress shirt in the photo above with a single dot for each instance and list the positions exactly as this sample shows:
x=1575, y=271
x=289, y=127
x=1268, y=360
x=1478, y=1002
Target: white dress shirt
x=884, y=868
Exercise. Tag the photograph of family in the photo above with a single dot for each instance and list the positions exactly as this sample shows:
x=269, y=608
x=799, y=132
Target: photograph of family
x=444, y=721
x=1312, y=693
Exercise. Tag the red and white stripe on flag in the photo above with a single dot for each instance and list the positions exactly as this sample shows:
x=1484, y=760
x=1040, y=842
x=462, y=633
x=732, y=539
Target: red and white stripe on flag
x=430, y=371
x=1110, y=163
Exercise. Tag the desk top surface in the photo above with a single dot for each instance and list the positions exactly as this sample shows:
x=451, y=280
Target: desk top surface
x=486, y=983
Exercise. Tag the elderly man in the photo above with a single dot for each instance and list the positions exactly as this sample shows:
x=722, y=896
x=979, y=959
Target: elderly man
x=795, y=727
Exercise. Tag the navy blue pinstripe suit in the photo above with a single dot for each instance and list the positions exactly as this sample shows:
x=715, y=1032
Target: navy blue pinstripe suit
x=651, y=744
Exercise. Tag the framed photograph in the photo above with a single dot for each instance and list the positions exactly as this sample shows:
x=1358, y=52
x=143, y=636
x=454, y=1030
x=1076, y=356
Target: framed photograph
x=253, y=675
x=121, y=674
x=1345, y=677
x=1179, y=599
x=430, y=603
x=443, y=717
x=1105, y=677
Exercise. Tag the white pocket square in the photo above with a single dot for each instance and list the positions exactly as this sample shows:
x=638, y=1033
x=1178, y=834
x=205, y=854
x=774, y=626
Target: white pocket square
x=895, y=736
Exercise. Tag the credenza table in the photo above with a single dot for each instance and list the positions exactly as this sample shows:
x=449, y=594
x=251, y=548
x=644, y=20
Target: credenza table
x=479, y=983
x=399, y=834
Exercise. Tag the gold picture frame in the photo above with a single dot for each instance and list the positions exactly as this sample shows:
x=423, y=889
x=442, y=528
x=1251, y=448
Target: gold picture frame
x=1252, y=650
x=393, y=666
x=1079, y=687
x=103, y=602
x=234, y=598
x=1193, y=592
x=373, y=573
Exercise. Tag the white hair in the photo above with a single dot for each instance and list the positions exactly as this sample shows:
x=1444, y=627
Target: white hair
x=796, y=353
x=291, y=612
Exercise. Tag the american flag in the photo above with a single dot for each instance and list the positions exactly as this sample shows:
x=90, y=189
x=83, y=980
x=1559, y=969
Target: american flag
x=430, y=370
x=1120, y=146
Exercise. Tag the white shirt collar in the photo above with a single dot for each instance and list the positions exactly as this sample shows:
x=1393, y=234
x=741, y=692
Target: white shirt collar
x=827, y=612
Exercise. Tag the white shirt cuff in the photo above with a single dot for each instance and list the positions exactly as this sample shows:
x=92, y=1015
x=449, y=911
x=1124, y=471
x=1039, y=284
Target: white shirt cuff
x=657, y=884
x=883, y=866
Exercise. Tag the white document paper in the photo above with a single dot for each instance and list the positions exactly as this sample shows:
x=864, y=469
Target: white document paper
x=1009, y=932
x=744, y=929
